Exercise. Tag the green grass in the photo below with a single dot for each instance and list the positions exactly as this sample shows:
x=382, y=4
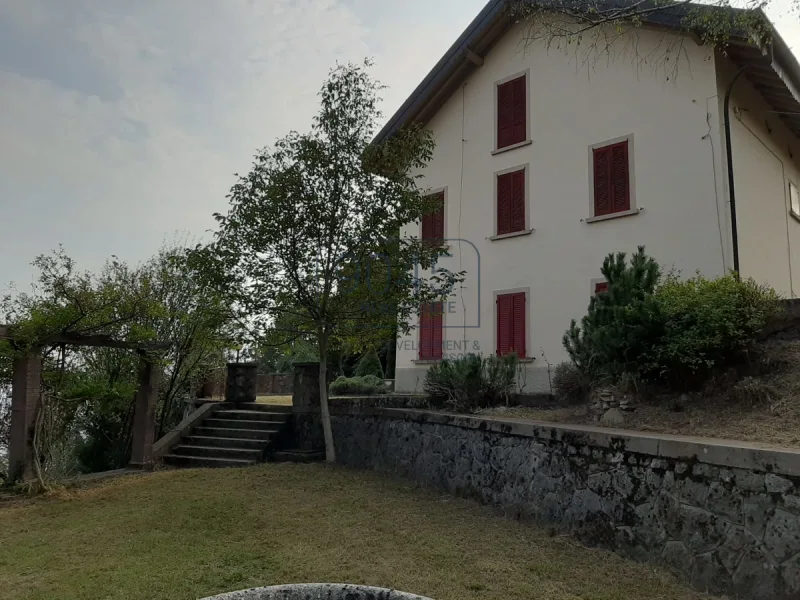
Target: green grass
x=188, y=534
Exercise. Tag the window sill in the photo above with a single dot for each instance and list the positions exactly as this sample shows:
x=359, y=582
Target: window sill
x=795, y=216
x=427, y=361
x=524, y=361
x=512, y=147
x=503, y=236
x=618, y=215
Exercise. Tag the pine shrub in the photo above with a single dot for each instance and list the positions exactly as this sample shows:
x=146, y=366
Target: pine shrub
x=369, y=364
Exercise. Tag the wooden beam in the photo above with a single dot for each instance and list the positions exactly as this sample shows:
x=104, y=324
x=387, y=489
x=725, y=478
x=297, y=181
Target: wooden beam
x=98, y=340
x=473, y=57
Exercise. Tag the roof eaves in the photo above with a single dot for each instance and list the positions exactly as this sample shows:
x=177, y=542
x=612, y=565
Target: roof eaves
x=451, y=60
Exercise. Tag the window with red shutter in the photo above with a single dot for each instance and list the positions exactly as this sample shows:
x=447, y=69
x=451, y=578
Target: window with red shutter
x=600, y=286
x=511, y=312
x=431, y=325
x=511, y=202
x=512, y=112
x=433, y=222
x=611, y=175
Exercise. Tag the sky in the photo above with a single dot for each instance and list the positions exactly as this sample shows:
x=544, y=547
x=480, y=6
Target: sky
x=122, y=123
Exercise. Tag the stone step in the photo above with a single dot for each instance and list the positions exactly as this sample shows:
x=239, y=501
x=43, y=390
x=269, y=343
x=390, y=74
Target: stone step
x=242, y=424
x=224, y=442
x=218, y=452
x=227, y=432
x=275, y=408
x=178, y=460
x=251, y=415
x=298, y=456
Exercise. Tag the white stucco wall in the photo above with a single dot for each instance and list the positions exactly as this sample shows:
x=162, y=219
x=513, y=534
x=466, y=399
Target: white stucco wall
x=573, y=106
x=769, y=238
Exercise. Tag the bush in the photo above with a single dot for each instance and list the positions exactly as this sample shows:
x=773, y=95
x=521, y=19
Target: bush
x=570, y=386
x=472, y=382
x=709, y=323
x=621, y=324
x=674, y=332
x=369, y=364
x=361, y=386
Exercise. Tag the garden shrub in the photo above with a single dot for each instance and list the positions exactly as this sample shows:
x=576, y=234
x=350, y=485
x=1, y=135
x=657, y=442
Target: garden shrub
x=674, y=332
x=709, y=322
x=366, y=386
x=369, y=364
x=570, y=386
x=472, y=382
x=621, y=324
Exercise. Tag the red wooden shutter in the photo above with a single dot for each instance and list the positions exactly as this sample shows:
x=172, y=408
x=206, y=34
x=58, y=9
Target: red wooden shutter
x=600, y=286
x=438, y=218
x=511, y=202
x=505, y=309
x=512, y=112
x=602, y=182
x=519, y=129
x=433, y=222
x=505, y=195
x=431, y=325
x=424, y=333
x=518, y=200
x=436, y=331
x=620, y=182
x=505, y=114
x=511, y=312
x=611, y=179
x=518, y=326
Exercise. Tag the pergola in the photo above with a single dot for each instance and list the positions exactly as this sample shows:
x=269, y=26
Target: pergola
x=26, y=397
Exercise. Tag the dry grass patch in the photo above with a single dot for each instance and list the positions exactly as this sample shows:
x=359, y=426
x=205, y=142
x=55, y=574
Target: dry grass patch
x=282, y=400
x=763, y=405
x=188, y=534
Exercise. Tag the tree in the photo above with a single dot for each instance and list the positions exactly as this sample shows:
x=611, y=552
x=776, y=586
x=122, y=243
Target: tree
x=88, y=400
x=316, y=217
x=369, y=364
x=622, y=323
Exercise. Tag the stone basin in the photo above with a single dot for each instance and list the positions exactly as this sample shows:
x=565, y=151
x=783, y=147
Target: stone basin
x=317, y=591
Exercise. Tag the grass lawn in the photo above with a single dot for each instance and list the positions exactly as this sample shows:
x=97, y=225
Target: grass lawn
x=181, y=535
x=284, y=400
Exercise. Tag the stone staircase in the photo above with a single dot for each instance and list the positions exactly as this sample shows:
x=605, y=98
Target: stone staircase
x=231, y=436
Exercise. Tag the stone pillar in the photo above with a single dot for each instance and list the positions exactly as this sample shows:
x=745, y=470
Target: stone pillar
x=306, y=418
x=25, y=402
x=305, y=390
x=241, y=382
x=144, y=417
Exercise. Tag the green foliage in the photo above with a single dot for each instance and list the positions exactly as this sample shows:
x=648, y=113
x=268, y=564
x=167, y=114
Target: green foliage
x=622, y=323
x=675, y=332
x=570, y=385
x=472, y=382
x=366, y=385
x=310, y=245
x=89, y=395
x=370, y=364
x=708, y=322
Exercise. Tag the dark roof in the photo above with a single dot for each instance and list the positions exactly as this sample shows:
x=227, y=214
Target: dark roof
x=772, y=69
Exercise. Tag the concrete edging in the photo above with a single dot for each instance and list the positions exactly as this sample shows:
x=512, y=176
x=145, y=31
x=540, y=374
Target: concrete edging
x=720, y=452
x=166, y=443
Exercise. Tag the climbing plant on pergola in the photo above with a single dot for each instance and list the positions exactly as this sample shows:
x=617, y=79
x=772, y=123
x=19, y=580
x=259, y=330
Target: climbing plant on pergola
x=26, y=395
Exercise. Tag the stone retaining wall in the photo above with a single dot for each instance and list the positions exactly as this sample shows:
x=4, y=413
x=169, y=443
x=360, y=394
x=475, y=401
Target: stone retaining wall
x=723, y=516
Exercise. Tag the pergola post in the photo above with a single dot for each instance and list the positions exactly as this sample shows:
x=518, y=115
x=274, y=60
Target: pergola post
x=26, y=397
x=144, y=417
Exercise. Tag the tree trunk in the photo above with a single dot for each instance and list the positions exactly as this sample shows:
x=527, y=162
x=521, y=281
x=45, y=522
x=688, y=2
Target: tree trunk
x=330, y=451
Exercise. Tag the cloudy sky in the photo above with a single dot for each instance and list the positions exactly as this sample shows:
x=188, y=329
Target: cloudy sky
x=123, y=122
